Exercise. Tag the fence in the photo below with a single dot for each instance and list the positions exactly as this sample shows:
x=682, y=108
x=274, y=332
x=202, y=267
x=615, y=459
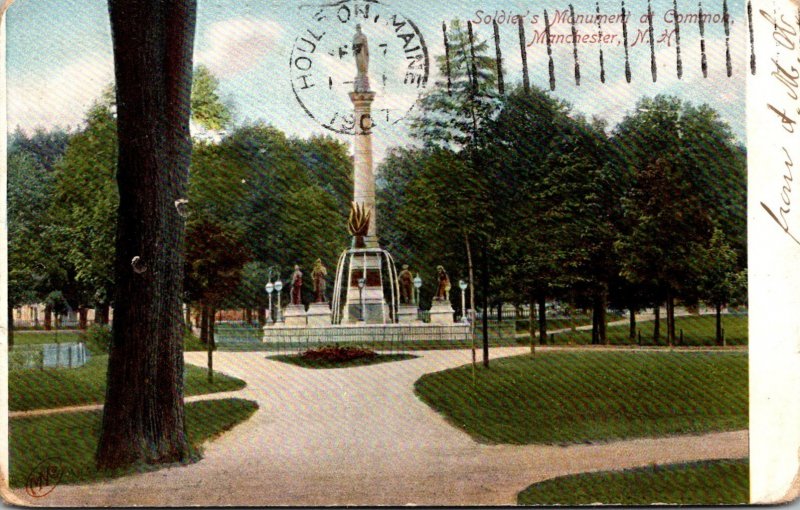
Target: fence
x=41, y=356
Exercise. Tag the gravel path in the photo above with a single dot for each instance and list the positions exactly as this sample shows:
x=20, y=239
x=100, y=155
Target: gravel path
x=359, y=436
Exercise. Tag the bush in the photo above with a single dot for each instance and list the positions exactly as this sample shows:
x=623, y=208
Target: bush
x=338, y=354
x=97, y=338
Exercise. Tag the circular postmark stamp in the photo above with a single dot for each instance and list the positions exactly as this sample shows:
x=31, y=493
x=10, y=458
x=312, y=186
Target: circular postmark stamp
x=322, y=65
x=44, y=477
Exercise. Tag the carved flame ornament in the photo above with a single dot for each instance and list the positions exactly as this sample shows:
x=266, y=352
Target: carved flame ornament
x=358, y=221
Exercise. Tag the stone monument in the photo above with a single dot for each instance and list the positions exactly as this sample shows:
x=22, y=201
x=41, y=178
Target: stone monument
x=365, y=269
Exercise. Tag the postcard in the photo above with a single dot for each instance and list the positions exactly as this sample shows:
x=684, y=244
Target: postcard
x=383, y=252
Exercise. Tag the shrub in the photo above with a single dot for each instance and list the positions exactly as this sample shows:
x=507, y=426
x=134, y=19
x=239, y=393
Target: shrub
x=336, y=354
x=97, y=338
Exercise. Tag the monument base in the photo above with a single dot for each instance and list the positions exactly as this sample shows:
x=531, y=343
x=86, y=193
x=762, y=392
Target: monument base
x=377, y=336
x=294, y=315
x=407, y=314
x=442, y=312
x=319, y=314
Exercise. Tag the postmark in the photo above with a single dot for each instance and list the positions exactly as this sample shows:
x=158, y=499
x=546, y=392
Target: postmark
x=321, y=62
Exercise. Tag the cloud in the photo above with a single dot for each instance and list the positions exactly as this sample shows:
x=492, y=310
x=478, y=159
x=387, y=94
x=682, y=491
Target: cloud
x=60, y=98
x=236, y=45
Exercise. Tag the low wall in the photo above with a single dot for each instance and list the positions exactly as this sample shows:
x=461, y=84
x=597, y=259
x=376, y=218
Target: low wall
x=370, y=333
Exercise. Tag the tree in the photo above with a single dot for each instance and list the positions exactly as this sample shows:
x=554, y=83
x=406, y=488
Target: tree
x=668, y=227
x=452, y=116
x=720, y=281
x=84, y=208
x=554, y=204
x=29, y=263
x=143, y=415
x=463, y=99
x=697, y=157
x=215, y=257
x=207, y=108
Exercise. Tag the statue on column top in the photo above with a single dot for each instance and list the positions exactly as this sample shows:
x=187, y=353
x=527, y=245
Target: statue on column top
x=361, y=51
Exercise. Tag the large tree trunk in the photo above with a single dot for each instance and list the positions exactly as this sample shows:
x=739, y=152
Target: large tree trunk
x=10, y=326
x=718, y=309
x=143, y=416
x=101, y=314
x=542, y=320
x=531, y=323
x=48, y=317
x=602, y=308
x=471, y=275
x=83, y=317
x=204, y=321
x=188, y=316
x=262, y=317
x=670, y=320
x=599, y=319
x=485, y=291
x=632, y=323
x=657, y=324
x=211, y=345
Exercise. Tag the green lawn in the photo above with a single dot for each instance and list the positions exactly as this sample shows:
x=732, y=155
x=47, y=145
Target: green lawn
x=71, y=438
x=697, y=330
x=35, y=338
x=574, y=397
x=58, y=387
x=719, y=482
x=299, y=361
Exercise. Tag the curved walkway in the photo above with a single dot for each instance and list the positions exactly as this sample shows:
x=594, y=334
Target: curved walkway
x=359, y=436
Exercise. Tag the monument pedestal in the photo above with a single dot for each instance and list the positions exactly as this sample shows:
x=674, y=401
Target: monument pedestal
x=407, y=314
x=319, y=314
x=441, y=312
x=366, y=305
x=294, y=315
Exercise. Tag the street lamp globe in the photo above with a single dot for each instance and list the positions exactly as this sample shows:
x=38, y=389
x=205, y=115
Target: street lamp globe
x=361, y=283
x=269, y=287
x=462, y=285
x=417, y=282
x=278, y=286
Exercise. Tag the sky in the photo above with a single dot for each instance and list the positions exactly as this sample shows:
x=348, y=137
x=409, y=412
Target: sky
x=60, y=58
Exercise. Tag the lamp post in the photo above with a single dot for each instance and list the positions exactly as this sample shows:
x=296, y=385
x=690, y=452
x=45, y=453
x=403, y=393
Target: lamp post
x=361, y=283
x=269, y=288
x=417, y=285
x=463, y=286
x=278, y=288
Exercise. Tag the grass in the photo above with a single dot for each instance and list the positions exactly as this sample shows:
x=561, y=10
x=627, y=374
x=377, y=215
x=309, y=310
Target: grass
x=59, y=387
x=72, y=438
x=556, y=323
x=299, y=361
x=718, y=482
x=34, y=338
x=698, y=330
x=574, y=397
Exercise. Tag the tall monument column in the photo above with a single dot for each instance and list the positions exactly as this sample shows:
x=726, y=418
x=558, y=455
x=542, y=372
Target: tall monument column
x=363, y=177
x=365, y=277
x=362, y=97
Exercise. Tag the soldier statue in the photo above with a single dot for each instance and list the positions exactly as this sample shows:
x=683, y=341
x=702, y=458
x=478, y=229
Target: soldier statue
x=361, y=51
x=443, y=290
x=318, y=277
x=406, y=286
x=296, y=292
